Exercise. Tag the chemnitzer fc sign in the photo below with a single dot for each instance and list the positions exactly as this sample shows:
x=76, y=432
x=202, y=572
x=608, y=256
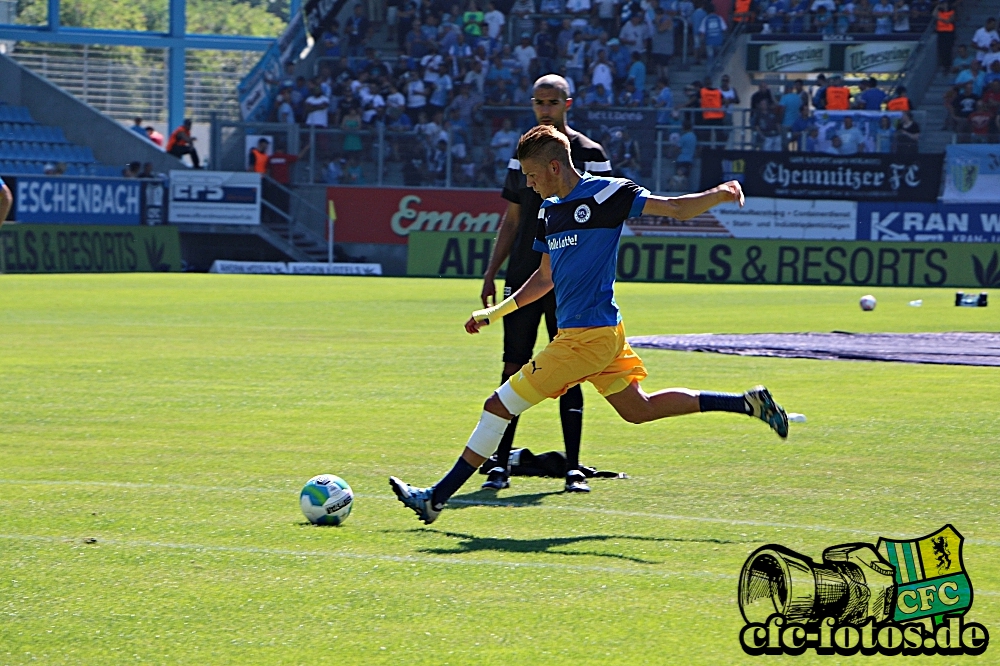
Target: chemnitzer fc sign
x=865, y=177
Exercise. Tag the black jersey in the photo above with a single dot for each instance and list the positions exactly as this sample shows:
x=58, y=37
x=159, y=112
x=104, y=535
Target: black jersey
x=588, y=156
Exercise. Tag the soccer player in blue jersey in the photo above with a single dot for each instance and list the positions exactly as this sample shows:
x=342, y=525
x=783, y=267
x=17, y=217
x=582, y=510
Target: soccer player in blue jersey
x=515, y=242
x=583, y=217
x=6, y=201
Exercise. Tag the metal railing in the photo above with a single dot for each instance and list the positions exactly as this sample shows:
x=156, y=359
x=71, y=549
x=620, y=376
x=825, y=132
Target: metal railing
x=124, y=83
x=388, y=158
x=381, y=157
x=918, y=72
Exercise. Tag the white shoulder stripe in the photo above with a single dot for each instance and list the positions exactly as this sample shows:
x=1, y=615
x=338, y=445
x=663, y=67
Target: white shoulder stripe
x=606, y=193
x=514, y=164
x=597, y=166
x=541, y=213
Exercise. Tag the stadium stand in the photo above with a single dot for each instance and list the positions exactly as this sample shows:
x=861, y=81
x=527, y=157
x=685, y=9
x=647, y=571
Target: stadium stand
x=28, y=147
x=41, y=124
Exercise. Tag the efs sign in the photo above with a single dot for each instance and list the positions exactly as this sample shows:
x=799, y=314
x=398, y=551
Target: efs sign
x=387, y=215
x=214, y=197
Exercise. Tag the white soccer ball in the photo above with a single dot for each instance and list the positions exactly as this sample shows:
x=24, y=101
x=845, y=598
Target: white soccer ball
x=867, y=303
x=326, y=500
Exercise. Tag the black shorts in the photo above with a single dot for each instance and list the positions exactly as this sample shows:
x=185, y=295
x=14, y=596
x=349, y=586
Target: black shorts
x=520, y=328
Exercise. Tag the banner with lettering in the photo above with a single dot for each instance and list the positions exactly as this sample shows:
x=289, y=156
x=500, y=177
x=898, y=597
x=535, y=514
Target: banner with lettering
x=937, y=222
x=862, y=177
x=768, y=53
x=387, y=215
x=741, y=261
x=55, y=248
x=76, y=200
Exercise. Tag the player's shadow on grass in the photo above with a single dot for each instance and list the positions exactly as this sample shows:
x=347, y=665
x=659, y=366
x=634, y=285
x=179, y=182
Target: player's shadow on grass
x=468, y=543
x=489, y=498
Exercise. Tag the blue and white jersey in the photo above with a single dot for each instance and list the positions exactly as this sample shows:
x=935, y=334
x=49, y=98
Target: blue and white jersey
x=1, y=181
x=580, y=234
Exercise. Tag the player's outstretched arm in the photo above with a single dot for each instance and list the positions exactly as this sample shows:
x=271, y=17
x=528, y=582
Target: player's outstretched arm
x=539, y=284
x=6, y=201
x=692, y=205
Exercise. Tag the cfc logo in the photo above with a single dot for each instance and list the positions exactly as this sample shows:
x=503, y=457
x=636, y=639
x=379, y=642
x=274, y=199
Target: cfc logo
x=898, y=597
x=582, y=213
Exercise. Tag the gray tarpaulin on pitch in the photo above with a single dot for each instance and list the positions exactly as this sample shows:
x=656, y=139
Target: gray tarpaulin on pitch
x=944, y=348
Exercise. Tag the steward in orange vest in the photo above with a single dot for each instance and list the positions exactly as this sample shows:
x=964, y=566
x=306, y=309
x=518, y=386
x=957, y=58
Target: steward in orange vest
x=944, y=26
x=711, y=104
x=900, y=102
x=838, y=96
x=259, y=157
x=741, y=12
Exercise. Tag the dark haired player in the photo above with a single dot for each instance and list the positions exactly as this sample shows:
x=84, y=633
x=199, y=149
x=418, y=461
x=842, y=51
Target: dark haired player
x=550, y=101
x=583, y=217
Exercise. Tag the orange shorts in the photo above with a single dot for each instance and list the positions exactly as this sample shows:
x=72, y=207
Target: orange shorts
x=599, y=355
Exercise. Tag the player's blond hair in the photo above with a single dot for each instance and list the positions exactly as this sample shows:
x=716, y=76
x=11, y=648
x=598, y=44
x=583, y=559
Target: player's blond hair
x=545, y=143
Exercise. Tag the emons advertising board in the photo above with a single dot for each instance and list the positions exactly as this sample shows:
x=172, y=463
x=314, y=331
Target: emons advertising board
x=387, y=215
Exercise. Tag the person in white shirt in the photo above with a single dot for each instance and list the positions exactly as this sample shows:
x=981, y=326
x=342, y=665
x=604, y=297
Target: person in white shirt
x=494, y=20
x=395, y=99
x=578, y=7
x=901, y=18
x=476, y=76
x=504, y=142
x=600, y=72
x=316, y=106
x=525, y=53
x=985, y=36
x=374, y=103
x=993, y=56
x=851, y=139
x=830, y=5
x=416, y=94
x=634, y=34
x=575, y=51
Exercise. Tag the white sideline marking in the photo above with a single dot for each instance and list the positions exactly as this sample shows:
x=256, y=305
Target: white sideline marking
x=498, y=503
x=416, y=559
x=403, y=559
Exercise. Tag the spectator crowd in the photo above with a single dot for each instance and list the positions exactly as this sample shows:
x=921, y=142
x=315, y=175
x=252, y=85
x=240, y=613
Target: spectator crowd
x=457, y=94
x=973, y=101
x=456, y=63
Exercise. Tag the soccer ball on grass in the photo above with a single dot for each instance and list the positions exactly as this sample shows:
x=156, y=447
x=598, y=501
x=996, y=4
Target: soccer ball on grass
x=867, y=303
x=326, y=500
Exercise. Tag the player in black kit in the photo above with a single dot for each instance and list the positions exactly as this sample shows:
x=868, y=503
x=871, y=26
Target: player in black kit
x=550, y=102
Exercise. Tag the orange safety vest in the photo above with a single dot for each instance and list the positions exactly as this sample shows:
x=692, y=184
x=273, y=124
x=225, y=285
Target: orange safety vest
x=838, y=98
x=711, y=98
x=945, y=21
x=258, y=161
x=175, y=139
x=898, y=104
x=742, y=13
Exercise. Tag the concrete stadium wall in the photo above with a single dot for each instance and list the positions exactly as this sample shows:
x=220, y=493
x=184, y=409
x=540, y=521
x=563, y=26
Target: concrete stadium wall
x=82, y=124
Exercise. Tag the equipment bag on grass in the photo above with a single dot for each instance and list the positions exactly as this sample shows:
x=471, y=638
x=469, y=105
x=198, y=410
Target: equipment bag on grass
x=552, y=464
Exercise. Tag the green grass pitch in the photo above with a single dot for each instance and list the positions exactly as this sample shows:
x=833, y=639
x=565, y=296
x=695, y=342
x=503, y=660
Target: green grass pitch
x=155, y=431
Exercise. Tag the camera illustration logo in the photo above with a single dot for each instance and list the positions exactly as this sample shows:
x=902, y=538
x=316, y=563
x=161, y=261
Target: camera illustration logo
x=898, y=597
